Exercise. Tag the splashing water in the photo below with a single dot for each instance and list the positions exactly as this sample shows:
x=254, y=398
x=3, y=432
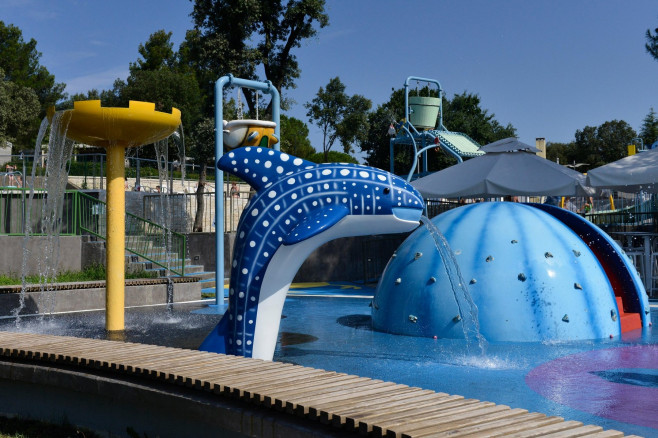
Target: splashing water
x=161, y=154
x=468, y=311
x=60, y=150
x=27, y=230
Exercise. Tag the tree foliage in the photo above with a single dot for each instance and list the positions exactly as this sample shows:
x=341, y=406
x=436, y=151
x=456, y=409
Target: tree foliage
x=157, y=53
x=649, y=129
x=332, y=157
x=340, y=117
x=236, y=36
x=294, y=138
x=562, y=153
x=20, y=62
x=19, y=107
x=652, y=43
x=597, y=146
x=464, y=114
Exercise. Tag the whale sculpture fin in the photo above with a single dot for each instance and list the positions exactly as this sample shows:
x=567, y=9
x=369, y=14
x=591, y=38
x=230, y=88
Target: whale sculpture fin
x=315, y=223
x=215, y=342
x=272, y=165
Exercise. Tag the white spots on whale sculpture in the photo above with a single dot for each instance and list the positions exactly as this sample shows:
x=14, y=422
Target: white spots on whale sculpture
x=297, y=207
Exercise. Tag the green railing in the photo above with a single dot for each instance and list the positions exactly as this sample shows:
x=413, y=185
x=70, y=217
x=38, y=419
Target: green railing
x=154, y=243
x=14, y=212
x=84, y=214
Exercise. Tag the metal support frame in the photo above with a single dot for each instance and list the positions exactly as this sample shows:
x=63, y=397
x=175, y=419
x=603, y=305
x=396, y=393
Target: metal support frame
x=411, y=133
x=224, y=82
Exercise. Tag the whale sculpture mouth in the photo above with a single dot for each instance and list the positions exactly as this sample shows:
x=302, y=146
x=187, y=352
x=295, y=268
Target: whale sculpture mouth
x=407, y=214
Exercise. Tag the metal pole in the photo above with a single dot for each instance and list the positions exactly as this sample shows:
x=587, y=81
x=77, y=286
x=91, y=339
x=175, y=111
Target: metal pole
x=138, y=182
x=116, y=245
x=222, y=83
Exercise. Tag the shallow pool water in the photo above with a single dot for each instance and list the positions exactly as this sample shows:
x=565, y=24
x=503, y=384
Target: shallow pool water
x=612, y=382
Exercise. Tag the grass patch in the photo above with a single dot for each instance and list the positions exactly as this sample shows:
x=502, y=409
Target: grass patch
x=91, y=273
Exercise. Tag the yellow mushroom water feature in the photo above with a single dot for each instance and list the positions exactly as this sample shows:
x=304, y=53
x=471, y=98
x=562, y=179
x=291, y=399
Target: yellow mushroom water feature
x=116, y=129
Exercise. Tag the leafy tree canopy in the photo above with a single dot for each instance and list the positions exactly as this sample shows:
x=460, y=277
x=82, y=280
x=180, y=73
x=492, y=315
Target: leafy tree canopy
x=597, y=146
x=236, y=36
x=562, y=153
x=20, y=62
x=652, y=43
x=157, y=53
x=332, y=157
x=19, y=107
x=340, y=117
x=464, y=114
x=649, y=129
x=294, y=138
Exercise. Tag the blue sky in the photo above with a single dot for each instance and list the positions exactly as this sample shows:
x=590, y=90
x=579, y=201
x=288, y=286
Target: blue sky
x=547, y=67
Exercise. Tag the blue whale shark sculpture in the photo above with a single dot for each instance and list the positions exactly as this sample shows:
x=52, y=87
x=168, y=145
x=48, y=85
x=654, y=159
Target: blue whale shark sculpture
x=298, y=206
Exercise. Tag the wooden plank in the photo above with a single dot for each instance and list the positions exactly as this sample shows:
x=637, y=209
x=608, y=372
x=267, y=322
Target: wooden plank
x=337, y=412
x=491, y=428
x=279, y=396
x=393, y=415
x=541, y=431
x=291, y=377
x=346, y=401
x=436, y=420
x=586, y=430
x=398, y=419
x=289, y=403
x=302, y=406
x=451, y=426
x=608, y=434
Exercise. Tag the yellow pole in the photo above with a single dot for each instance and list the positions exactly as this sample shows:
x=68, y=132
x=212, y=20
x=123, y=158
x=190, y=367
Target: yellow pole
x=116, y=229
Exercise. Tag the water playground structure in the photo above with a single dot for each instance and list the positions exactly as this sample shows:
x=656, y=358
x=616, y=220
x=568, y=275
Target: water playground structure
x=547, y=275
x=514, y=273
x=423, y=128
x=115, y=129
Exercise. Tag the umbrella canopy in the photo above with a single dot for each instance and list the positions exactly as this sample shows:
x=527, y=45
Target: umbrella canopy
x=631, y=174
x=510, y=144
x=502, y=174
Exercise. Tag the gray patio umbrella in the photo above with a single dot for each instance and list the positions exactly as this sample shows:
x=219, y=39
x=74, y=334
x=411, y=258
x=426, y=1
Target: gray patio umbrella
x=510, y=144
x=631, y=174
x=504, y=173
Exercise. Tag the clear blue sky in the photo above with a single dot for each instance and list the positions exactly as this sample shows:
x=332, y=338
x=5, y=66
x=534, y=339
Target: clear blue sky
x=547, y=67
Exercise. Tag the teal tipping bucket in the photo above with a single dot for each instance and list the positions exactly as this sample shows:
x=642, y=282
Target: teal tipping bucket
x=424, y=111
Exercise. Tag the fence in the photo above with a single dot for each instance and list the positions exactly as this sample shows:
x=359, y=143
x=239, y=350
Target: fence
x=15, y=208
x=149, y=240
x=183, y=208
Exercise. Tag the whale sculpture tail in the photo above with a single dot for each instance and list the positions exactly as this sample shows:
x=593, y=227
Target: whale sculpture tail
x=216, y=340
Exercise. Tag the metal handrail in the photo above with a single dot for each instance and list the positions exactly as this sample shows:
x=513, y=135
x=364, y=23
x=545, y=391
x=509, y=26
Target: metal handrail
x=142, y=235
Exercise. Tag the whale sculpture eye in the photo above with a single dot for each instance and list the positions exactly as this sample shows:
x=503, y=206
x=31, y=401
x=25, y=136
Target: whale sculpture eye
x=387, y=191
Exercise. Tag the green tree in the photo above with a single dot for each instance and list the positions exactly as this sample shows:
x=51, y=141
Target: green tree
x=294, y=138
x=238, y=37
x=19, y=107
x=340, y=117
x=377, y=140
x=332, y=157
x=649, y=129
x=20, y=62
x=562, y=153
x=157, y=53
x=464, y=114
x=652, y=43
x=597, y=146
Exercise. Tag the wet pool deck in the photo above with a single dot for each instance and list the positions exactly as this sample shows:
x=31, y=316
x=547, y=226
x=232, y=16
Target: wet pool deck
x=328, y=403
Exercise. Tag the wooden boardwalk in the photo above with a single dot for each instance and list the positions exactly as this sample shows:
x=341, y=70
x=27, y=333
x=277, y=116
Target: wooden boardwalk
x=348, y=403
